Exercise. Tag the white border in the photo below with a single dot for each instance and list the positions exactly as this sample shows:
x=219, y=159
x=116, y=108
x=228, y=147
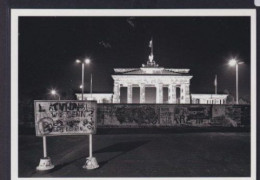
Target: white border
x=15, y=13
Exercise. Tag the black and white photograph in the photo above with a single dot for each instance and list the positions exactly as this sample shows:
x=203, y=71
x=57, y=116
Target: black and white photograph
x=133, y=94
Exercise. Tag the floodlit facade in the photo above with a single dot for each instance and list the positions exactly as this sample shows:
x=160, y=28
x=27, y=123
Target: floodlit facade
x=153, y=75
x=209, y=98
x=99, y=97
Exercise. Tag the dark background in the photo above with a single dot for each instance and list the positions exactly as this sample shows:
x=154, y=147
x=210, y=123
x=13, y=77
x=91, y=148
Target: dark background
x=48, y=47
x=5, y=44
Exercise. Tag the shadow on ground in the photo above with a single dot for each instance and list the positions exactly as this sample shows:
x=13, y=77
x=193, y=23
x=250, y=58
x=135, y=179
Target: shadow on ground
x=121, y=147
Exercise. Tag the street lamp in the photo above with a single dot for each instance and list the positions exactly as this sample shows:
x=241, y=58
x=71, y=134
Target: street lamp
x=234, y=62
x=86, y=61
x=54, y=93
x=93, y=164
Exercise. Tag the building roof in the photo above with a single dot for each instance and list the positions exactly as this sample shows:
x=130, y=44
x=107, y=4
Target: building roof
x=150, y=71
x=151, y=68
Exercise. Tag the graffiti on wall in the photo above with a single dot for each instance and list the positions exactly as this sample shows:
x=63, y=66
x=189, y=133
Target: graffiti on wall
x=185, y=115
x=218, y=116
x=172, y=115
x=65, y=117
x=128, y=114
x=167, y=116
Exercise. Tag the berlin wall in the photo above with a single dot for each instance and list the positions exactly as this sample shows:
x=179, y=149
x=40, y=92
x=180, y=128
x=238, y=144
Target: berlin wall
x=136, y=115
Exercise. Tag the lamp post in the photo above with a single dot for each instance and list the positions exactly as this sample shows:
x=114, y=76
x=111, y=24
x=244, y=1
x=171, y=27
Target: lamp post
x=86, y=61
x=54, y=93
x=234, y=62
x=90, y=86
x=91, y=162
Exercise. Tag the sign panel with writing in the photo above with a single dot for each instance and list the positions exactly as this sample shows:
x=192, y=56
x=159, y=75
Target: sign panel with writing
x=65, y=117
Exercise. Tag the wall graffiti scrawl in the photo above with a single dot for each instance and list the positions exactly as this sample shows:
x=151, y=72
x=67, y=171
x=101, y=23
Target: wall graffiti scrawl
x=181, y=115
x=128, y=115
x=65, y=117
x=173, y=115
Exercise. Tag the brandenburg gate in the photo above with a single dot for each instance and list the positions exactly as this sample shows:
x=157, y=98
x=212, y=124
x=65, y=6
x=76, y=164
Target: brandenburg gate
x=152, y=75
x=175, y=81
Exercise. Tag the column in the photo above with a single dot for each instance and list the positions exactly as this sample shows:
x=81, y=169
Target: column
x=142, y=93
x=129, y=93
x=182, y=94
x=159, y=93
x=116, y=96
x=185, y=93
x=172, y=94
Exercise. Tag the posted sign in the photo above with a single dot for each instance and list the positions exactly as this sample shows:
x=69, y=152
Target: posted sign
x=65, y=117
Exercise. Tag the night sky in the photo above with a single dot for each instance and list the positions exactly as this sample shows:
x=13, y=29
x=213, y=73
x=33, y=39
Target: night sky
x=49, y=46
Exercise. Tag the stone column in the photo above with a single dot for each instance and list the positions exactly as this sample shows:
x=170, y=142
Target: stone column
x=159, y=93
x=142, y=93
x=182, y=94
x=129, y=93
x=185, y=94
x=116, y=96
x=172, y=94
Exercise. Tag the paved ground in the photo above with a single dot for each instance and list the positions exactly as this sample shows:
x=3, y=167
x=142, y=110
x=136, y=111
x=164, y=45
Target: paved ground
x=206, y=154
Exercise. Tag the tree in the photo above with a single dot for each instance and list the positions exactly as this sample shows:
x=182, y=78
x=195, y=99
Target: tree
x=230, y=97
x=243, y=101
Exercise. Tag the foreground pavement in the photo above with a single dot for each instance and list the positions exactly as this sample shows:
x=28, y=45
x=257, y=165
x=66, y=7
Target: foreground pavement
x=207, y=154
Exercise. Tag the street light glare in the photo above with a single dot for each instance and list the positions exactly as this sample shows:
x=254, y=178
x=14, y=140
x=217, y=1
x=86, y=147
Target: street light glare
x=53, y=92
x=87, y=61
x=232, y=62
x=78, y=61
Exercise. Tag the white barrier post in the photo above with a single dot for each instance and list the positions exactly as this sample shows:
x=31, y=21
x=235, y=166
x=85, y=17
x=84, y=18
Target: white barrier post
x=44, y=146
x=45, y=162
x=90, y=145
x=91, y=162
